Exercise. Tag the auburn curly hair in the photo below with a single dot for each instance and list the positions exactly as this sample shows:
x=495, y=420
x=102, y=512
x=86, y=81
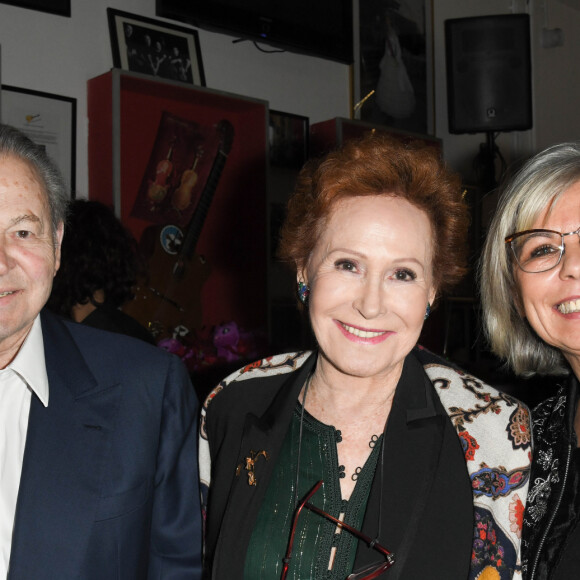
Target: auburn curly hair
x=380, y=165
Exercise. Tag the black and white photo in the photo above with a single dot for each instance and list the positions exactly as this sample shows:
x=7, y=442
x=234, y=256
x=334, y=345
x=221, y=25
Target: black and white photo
x=155, y=48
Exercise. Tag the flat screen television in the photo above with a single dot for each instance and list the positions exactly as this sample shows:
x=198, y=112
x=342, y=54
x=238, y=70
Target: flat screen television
x=320, y=28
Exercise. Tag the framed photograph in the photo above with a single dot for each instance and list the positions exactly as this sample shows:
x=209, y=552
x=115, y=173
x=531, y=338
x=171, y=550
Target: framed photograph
x=60, y=7
x=48, y=120
x=393, y=80
x=288, y=136
x=155, y=48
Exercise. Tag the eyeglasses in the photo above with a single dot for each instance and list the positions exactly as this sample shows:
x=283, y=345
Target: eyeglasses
x=538, y=251
x=369, y=573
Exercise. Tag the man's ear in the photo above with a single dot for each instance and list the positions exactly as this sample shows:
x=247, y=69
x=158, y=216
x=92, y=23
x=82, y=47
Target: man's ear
x=57, y=245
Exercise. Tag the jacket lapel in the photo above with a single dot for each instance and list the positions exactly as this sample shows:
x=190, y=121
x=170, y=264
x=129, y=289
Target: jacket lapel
x=263, y=433
x=413, y=442
x=66, y=446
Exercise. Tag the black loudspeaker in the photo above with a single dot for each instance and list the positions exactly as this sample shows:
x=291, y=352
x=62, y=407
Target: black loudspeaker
x=489, y=85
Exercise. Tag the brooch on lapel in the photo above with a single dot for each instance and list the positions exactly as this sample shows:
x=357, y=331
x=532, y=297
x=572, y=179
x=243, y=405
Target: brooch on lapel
x=250, y=463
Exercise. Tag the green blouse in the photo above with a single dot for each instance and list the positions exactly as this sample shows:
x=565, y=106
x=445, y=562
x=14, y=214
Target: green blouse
x=321, y=550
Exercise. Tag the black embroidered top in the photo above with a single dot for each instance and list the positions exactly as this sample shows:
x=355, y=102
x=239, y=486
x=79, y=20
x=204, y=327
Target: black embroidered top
x=550, y=540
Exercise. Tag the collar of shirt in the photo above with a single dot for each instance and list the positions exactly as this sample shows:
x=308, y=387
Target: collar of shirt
x=29, y=363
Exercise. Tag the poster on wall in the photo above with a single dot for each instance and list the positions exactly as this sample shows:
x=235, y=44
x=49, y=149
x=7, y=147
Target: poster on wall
x=288, y=137
x=179, y=165
x=394, y=76
x=47, y=119
x=60, y=7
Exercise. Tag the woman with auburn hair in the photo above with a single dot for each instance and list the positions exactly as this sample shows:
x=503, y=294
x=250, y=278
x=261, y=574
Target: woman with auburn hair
x=530, y=289
x=368, y=455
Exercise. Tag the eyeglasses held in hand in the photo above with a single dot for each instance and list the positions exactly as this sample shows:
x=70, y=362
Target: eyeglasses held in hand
x=538, y=251
x=369, y=573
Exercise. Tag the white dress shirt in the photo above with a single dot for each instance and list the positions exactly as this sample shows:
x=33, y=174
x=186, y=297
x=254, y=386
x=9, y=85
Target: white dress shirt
x=25, y=375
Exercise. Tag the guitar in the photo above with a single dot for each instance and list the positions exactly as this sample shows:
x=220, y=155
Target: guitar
x=170, y=296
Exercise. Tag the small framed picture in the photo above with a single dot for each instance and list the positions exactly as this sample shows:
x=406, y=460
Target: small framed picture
x=47, y=119
x=288, y=135
x=156, y=48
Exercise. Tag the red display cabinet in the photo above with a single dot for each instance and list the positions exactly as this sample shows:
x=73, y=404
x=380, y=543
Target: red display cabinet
x=150, y=139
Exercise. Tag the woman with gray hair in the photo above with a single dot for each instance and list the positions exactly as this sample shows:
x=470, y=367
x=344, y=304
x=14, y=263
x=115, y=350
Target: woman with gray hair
x=530, y=290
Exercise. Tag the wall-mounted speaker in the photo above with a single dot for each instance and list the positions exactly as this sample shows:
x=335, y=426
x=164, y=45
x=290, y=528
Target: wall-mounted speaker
x=489, y=85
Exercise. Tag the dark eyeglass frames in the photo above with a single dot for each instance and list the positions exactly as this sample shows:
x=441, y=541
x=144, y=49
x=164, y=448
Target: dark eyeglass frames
x=369, y=573
x=538, y=250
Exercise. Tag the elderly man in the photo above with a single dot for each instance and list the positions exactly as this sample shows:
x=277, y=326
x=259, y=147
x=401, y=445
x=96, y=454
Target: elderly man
x=98, y=475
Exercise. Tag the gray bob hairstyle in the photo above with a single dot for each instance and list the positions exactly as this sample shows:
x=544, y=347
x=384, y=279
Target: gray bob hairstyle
x=536, y=186
x=15, y=144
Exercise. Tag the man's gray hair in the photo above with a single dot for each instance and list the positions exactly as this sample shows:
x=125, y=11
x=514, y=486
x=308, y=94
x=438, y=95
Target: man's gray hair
x=14, y=143
x=533, y=190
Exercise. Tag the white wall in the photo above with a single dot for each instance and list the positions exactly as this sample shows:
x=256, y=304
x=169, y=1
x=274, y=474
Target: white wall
x=557, y=73
x=58, y=55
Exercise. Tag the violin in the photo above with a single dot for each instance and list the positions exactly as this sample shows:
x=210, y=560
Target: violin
x=157, y=189
x=181, y=197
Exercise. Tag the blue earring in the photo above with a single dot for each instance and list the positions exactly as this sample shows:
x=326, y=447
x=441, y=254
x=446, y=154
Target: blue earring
x=427, y=311
x=303, y=292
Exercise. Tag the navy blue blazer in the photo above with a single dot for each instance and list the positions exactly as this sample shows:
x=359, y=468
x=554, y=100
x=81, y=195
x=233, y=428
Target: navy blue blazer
x=109, y=486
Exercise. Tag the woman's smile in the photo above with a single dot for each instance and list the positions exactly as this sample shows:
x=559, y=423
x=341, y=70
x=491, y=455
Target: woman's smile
x=569, y=306
x=367, y=336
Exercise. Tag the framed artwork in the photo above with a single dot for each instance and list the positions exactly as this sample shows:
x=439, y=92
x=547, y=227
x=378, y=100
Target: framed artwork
x=393, y=80
x=48, y=120
x=180, y=161
x=288, y=136
x=155, y=48
x=60, y=7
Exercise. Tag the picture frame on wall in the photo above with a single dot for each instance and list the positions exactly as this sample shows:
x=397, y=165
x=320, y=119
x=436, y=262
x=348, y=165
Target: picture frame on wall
x=48, y=120
x=393, y=72
x=288, y=145
x=288, y=137
x=149, y=46
x=59, y=7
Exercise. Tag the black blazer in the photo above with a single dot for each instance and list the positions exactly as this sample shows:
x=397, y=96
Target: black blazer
x=427, y=497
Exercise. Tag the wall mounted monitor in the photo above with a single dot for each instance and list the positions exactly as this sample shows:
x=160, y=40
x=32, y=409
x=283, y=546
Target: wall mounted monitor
x=321, y=28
